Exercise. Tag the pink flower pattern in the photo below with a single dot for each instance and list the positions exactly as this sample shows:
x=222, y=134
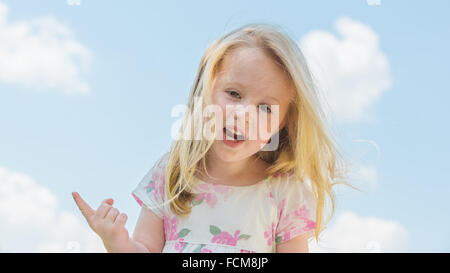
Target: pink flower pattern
x=205, y=250
x=304, y=215
x=171, y=232
x=211, y=199
x=209, y=193
x=269, y=234
x=223, y=237
x=180, y=245
x=301, y=218
x=170, y=228
x=247, y=251
x=226, y=238
x=157, y=184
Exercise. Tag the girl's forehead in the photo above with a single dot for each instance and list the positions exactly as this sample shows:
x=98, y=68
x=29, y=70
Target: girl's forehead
x=252, y=67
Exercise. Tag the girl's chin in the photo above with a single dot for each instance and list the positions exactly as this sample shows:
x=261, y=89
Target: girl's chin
x=227, y=153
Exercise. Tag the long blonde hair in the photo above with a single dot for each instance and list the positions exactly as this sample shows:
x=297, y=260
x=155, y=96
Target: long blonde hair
x=306, y=148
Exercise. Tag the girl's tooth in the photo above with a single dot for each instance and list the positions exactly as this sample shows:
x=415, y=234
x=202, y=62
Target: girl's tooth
x=231, y=134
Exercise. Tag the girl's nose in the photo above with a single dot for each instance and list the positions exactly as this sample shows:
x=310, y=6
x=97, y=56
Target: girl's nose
x=245, y=117
x=241, y=114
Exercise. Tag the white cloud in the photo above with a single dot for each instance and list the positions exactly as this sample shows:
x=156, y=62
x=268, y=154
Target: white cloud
x=364, y=164
x=351, y=233
x=30, y=220
x=41, y=53
x=352, y=71
x=367, y=175
x=362, y=176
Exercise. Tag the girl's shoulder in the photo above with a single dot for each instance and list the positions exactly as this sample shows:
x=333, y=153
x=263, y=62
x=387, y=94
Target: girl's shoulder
x=288, y=185
x=281, y=178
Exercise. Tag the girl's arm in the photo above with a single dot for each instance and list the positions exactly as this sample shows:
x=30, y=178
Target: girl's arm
x=149, y=232
x=298, y=244
x=148, y=236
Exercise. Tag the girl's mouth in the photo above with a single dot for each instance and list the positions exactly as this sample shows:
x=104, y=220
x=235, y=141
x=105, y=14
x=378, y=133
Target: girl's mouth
x=236, y=138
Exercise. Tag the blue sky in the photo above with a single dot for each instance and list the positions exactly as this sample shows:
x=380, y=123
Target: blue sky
x=138, y=60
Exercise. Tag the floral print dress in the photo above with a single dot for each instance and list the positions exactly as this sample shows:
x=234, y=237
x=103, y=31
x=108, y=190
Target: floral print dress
x=228, y=219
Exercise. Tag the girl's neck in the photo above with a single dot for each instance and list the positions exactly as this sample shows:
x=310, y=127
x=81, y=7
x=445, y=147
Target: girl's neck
x=244, y=172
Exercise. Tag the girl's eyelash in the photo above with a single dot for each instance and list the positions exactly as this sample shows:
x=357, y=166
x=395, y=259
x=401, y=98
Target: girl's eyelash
x=268, y=108
x=230, y=92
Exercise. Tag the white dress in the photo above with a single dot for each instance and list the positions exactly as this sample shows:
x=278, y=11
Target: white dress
x=231, y=218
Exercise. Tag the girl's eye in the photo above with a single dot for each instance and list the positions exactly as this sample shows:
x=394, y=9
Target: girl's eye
x=234, y=94
x=265, y=108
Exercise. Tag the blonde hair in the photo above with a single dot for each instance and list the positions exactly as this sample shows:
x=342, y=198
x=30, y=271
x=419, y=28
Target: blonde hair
x=306, y=148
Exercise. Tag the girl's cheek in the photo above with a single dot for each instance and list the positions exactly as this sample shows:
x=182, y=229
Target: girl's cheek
x=264, y=131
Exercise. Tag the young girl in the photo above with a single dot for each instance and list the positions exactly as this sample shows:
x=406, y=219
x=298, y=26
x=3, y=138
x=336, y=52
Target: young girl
x=229, y=193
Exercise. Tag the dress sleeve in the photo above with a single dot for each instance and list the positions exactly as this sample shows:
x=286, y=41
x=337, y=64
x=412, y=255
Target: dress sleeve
x=296, y=210
x=150, y=192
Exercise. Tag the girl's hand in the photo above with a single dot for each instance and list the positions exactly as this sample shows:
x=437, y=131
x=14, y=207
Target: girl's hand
x=107, y=222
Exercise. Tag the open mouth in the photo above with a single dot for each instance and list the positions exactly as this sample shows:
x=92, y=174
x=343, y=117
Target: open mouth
x=235, y=137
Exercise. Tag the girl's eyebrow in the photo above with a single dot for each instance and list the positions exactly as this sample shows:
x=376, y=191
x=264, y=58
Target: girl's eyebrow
x=275, y=99
x=244, y=88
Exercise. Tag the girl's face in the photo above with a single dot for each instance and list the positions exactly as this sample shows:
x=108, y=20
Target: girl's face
x=251, y=86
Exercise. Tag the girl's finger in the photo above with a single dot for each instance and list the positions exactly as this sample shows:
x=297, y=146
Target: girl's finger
x=112, y=215
x=121, y=219
x=103, y=209
x=85, y=209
